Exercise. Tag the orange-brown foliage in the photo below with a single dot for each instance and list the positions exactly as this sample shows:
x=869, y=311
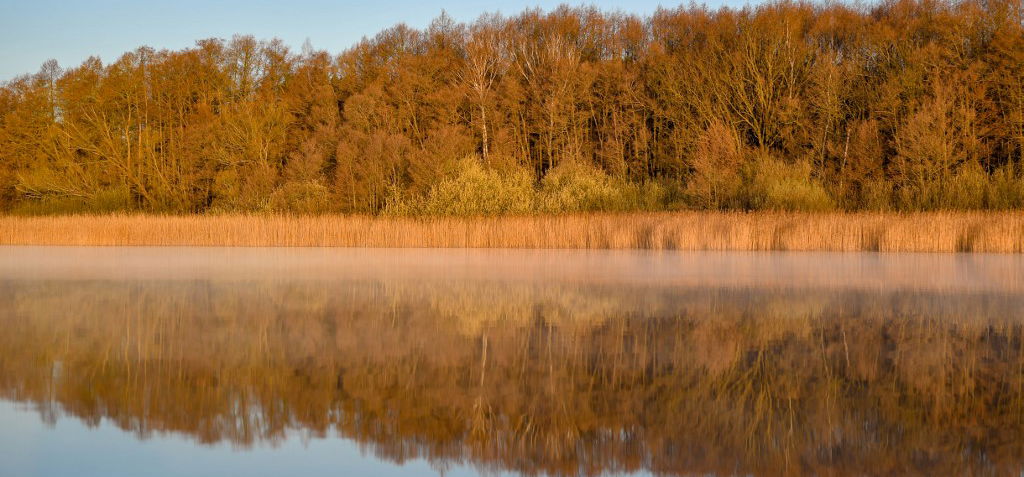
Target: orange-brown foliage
x=560, y=379
x=907, y=104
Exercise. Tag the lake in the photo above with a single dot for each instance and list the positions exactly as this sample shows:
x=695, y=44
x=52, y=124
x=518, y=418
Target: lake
x=406, y=362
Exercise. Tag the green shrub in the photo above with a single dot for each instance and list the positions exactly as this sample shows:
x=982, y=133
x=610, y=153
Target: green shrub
x=475, y=190
x=1006, y=189
x=51, y=206
x=575, y=187
x=966, y=190
x=771, y=184
x=876, y=195
x=112, y=199
x=243, y=189
x=107, y=200
x=302, y=197
x=970, y=188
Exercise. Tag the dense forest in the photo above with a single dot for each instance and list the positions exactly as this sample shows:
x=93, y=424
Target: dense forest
x=902, y=104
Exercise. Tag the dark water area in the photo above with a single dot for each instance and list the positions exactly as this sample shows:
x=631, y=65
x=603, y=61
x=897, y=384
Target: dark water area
x=193, y=361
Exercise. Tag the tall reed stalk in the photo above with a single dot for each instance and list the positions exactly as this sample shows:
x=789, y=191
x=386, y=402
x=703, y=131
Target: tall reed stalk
x=884, y=232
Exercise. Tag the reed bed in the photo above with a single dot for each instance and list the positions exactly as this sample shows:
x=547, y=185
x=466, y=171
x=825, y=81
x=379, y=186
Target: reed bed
x=883, y=232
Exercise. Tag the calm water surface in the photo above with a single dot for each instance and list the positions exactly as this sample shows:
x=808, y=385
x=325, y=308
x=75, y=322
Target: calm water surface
x=219, y=362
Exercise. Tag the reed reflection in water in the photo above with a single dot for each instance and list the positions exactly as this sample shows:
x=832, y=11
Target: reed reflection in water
x=534, y=362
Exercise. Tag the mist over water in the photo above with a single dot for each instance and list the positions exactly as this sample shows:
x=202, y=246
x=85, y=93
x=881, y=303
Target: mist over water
x=207, y=361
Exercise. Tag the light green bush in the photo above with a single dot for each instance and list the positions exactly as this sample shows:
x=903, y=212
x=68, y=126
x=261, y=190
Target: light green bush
x=476, y=190
x=966, y=190
x=970, y=188
x=575, y=187
x=111, y=199
x=771, y=184
x=243, y=189
x=302, y=197
x=1006, y=189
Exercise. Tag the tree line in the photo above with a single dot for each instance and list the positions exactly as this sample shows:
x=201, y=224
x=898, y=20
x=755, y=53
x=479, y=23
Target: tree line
x=902, y=104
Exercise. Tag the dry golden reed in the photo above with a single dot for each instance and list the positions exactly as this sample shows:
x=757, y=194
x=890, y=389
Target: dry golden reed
x=885, y=232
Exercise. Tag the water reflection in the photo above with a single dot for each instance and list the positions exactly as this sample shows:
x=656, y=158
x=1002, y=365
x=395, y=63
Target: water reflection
x=538, y=373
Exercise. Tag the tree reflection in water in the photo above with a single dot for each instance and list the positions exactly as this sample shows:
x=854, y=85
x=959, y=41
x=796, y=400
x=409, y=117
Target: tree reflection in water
x=565, y=379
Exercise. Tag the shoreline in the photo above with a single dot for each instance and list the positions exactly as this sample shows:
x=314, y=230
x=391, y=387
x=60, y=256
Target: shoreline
x=987, y=232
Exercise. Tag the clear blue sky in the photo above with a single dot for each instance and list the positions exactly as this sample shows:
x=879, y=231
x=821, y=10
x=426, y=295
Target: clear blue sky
x=32, y=31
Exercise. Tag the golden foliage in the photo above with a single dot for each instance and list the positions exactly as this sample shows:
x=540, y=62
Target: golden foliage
x=900, y=105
